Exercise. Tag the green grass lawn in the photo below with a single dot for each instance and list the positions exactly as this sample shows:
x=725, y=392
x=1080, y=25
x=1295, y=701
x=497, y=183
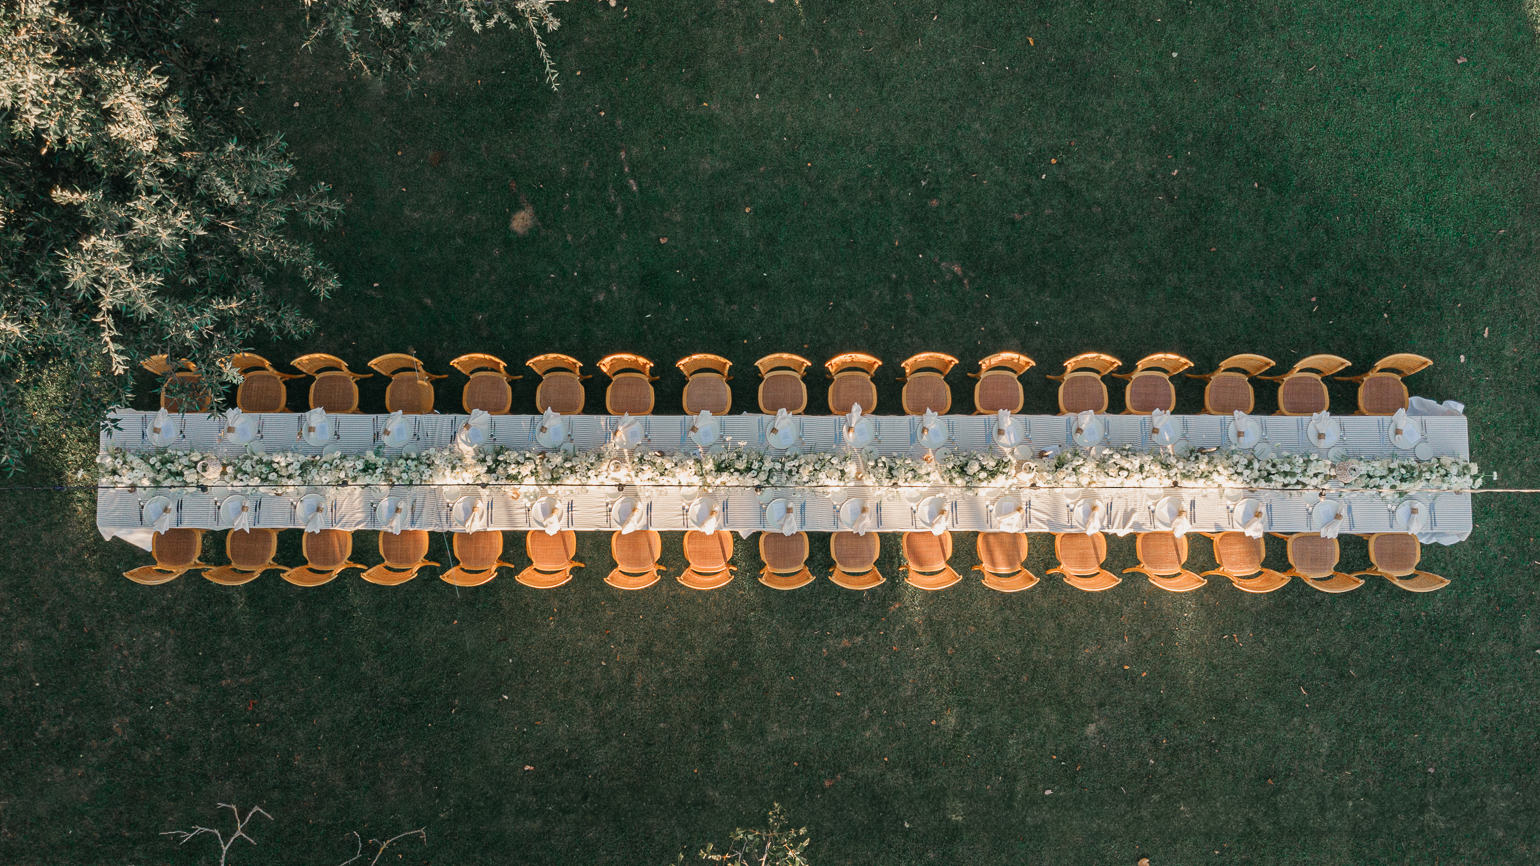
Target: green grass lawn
x=1051, y=178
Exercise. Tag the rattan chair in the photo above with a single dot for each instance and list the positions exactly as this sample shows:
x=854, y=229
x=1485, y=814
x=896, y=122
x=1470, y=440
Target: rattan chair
x=855, y=560
x=1301, y=391
x=250, y=552
x=1081, y=386
x=999, y=383
x=1395, y=556
x=630, y=391
x=1240, y=556
x=403, y=553
x=411, y=386
x=780, y=383
x=1229, y=387
x=710, y=556
x=335, y=387
x=705, y=386
x=636, y=559
x=1149, y=385
x=1314, y=559
x=852, y=374
x=1381, y=391
x=326, y=556
x=1163, y=559
x=176, y=553
x=1080, y=561
x=926, y=555
x=479, y=555
x=925, y=386
x=561, y=383
x=182, y=387
x=486, y=387
x=785, y=559
x=1003, y=557
x=262, y=387
x=550, y=557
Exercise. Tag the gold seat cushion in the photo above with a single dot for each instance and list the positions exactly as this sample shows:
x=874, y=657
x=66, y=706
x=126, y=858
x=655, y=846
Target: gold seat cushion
x=1080, y=553
x=405, y=548
x=1303, y=395
x=560, y=392
x=1382, y=394
x=998, y=389
x=1228, y=393
x=708, y=552
x=335, y=392
x=328, y=548
x=1314, y=556
x=478, y=550
x=550, y=552
x=782, y=389
x=1161, y=552
x=851, y=388
x=855, y=552
x=1395, y=553
x=637, y=551
x=927, y=551
x=926, y=391
x=251, y=548
x=409, y=394
x=783, y=552
x=1239, y=554
x=630, y=395
x=1002, y=552
x=176, y=548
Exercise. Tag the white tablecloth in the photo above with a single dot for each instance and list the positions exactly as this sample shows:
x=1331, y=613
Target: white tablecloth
x=120, y=512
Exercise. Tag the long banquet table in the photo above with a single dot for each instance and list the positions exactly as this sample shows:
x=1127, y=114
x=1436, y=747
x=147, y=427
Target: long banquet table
x=120, y=511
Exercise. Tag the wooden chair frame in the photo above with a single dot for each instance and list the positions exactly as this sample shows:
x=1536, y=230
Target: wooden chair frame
x=636, y=578
x=848, y=365
x=705, y=366
x=1001, y=580
x=1266, y=579
x=237, y=573
x=398, y=366
x=183, y=376
x=1409, y=579
x=1163, y=364
x=310, y=575
x=1314, y=367
x=463, y=575
x=784, y=579
x=549, y=576
x=1087, y=364
x=1180, y=580
x=859, y=579
x=934, y=579
x=627, y=366
x=783, y=364
x=927, y=365
x=1333, y=581
x=252, y=366
x=1090, y=581
x=1011, y=364
x=704, y=579
x=165, y=572
x=477, y=364
x=1240, y=366
x=318, y=364
x=396, y=572
x=1397, y=366
x=552, y=365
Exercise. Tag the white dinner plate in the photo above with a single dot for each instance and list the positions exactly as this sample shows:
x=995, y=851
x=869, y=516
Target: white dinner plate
x=1319, y=438
x=935, y=436
x=1008, y=514
x=1011, y=436
x=1080, y=514
x=472, y=436
x=927, y=510
x=385, y=510
x=318, y=435
x=1167, y=433
x=706, y=435
x=544, y=509
x=167, y=435
x=698, y=513
x=1423, y=451
x=850, y=512
x=1403, y=520
x=1323, y=512
x=623, y=509
x=464, y=512
x=155, y=508
x=785, y=436
x=1091, y=434
x=255, y=447
x=1410, y=435
x=553, y=435
x=242, y=432
x=776, y=511
x=1247, y=437
x=1166, y=511
x=862, y=434
x=1245, y=510
x=230, y=509
x=310, y=505
x=1337, y=454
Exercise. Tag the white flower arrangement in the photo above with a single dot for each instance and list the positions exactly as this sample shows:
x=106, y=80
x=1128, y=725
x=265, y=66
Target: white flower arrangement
x=1072, y=468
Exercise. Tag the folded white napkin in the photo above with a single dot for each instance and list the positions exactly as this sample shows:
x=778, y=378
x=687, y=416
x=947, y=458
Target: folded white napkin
x=1254, y=527
x=713, y=521
x=398, y=519
x=1332, y=526
x=237, y=428
x=395, y=426
x=1012, y=521
x=1181, y=525
x=314, y=427
x=1094, y=520
x=628, y=433
x=636, y=520
x=704, y=429
x=551, y=424
x=1416, y=517
x=161, y=432
x=789, y=522
x=242, y=521
x=313, y=523
x=1159, y=418
x=552, y=523
x=163, y=522
x=1088, y=427
x=1403, y=429
x=928, y=422
x=782, y=421
x=476, y=430
x=1320, y=427
x=1424, y=406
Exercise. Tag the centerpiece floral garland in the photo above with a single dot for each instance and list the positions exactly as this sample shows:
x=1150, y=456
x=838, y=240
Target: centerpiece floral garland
x=1072, y=468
